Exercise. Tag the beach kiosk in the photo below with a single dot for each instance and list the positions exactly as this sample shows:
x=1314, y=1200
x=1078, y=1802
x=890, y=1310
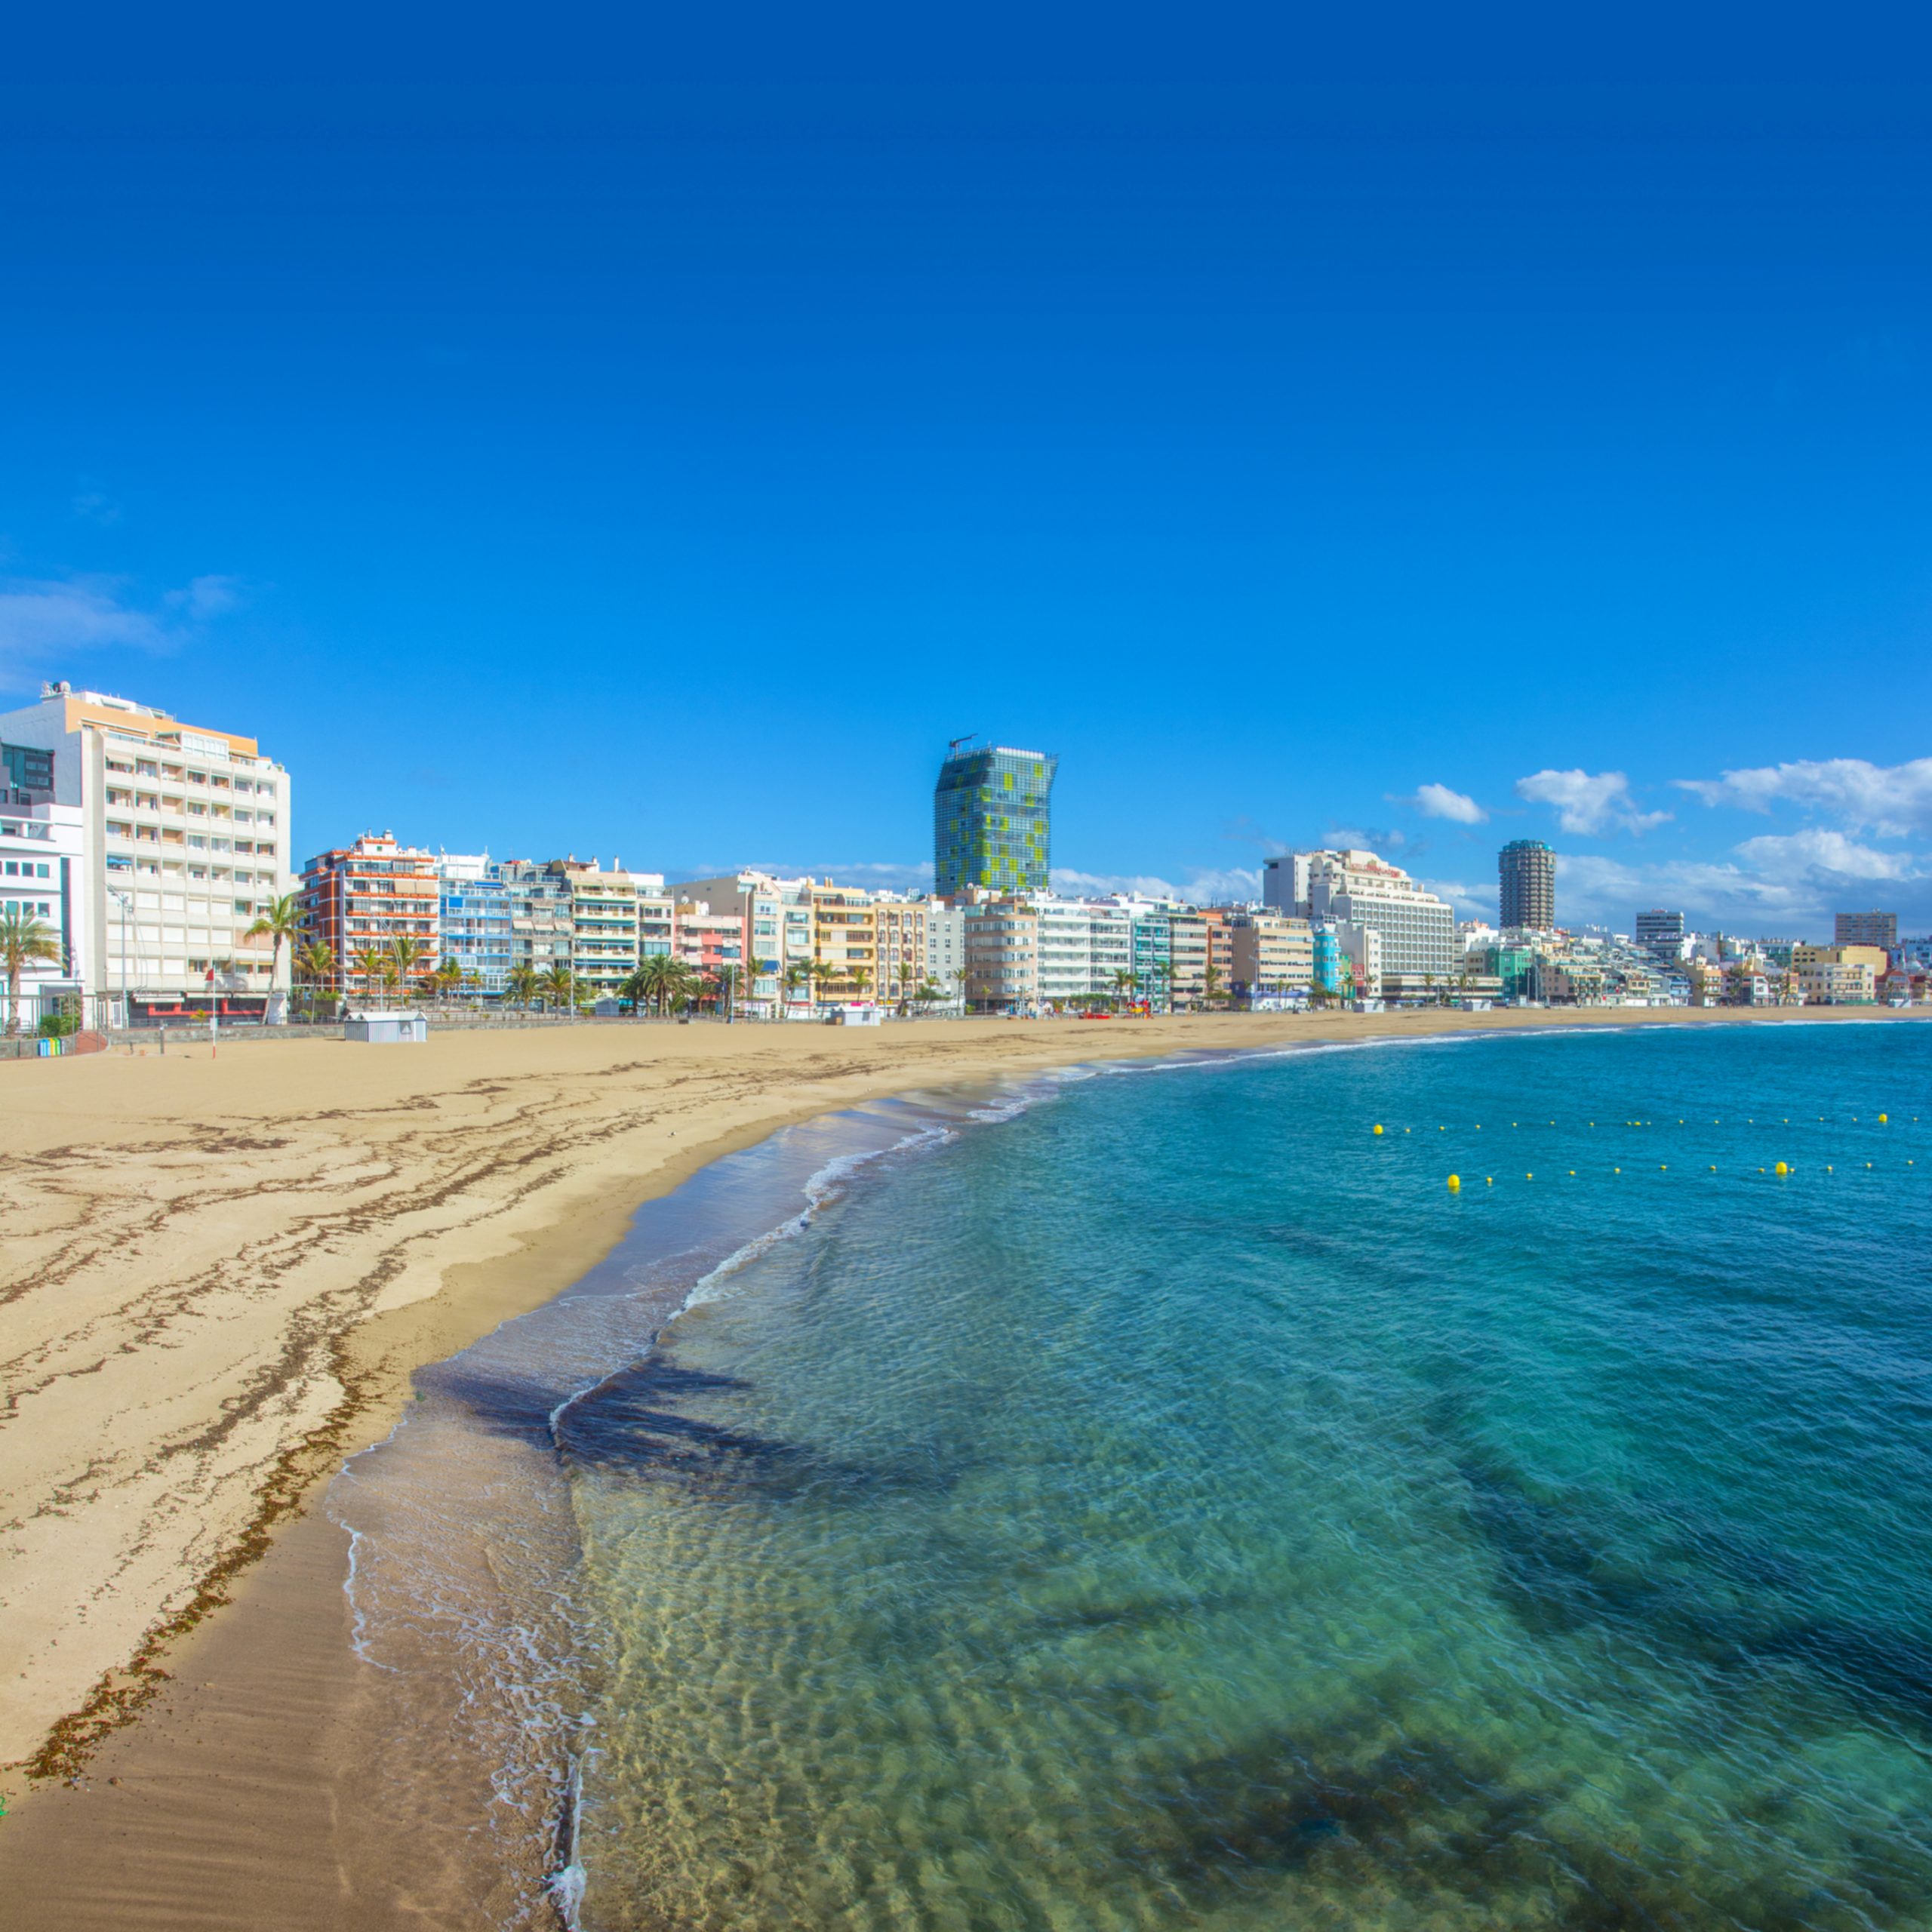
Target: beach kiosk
x=386, y=1029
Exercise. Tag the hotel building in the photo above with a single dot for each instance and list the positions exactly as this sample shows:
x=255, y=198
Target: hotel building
x=1417, y=929
x=177, y=841
x=992, y=819
x=1867, y=929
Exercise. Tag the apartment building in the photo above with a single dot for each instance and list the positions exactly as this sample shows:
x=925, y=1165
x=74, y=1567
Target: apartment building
x=603, y=924
x=1002, y=950
x=40, y=870
x=473, y=921
x=946, y=950
x=1873, y=928
x=1417, y=929
x=1187, y=956
x=1271, y=960
x=1086, y=950
x=1837, y=975
x=359, y=900
x=542, y=924
x=844, y=930
x=183, y=844
x=1526, y=882
x=904, y=954
x=757, y=901
x=712, y=944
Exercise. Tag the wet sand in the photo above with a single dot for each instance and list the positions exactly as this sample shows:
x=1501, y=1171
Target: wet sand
x=218, y=1277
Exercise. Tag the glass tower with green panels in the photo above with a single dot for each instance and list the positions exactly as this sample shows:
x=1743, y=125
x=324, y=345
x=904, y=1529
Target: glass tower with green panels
x=990, y=811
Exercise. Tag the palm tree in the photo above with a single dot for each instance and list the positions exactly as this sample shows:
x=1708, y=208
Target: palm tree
x=23, y=941
x=280, y=920
x=796, y=975
x=368, y=962
x=558, y=985
x=447, y=978
x=861, y=978
x=926, y=993
x=825, y=974
x=314, y=966
x=1164, y=972
x=958, y=978
x=1123, y=985
x=1210, y=985
x=405, y=955
x=522, y=985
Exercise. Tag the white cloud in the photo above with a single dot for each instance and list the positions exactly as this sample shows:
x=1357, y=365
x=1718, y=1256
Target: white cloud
x=1814, y=853
x=1894, y=801
x=1209, y=887
x=205, y=596
x=1787, y=887
x=1588, y=803
x=44, y=620
x=1439, y=801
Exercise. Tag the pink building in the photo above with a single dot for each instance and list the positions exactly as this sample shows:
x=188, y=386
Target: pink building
x=709, y=942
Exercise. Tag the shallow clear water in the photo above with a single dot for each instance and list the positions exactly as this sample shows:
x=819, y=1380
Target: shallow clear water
x=1172, y=1507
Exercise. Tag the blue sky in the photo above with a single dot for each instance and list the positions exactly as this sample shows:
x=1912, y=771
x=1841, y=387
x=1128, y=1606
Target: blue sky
x=580, y=436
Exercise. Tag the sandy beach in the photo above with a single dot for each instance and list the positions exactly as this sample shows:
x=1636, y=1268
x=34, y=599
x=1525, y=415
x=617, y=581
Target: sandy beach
x=218, y=1276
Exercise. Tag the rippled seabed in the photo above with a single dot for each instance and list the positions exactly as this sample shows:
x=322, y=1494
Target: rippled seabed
x=1172, y=1508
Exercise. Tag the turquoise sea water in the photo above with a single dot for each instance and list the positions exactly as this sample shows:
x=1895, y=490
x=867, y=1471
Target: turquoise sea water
x=1171, y=1507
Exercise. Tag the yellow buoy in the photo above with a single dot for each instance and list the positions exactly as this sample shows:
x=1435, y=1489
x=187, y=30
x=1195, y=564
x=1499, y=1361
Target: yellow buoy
x=1529, y=1176
x=1883, y=1118
x=1378, y=1127
x=1442, y=1130
x=1662, y=1168
x=1455, y=1183
x=1781, y=1168
x=1617, y=1170
x=1489, y=1180
x=1573, y=1173
x=1714, y=1170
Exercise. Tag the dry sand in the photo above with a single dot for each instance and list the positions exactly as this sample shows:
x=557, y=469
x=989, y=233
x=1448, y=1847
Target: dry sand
x=218, y=1275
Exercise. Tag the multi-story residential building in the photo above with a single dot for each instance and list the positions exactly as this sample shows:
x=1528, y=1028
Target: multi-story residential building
x=182, y=842
x=1837, y=975
x=712, y=943
x=543, y=926
x=1660, y=932
x=945, y=951
x=1187, y=958
x=1086, y=950
x=845, y=944
x=473, y=921
x=1153, y=952
x=1526, y=870
x=1417, y=929
x=1867, y=929
x=904, y=954
x=1362, y=946
x=604, y=921
x=759, y=902
x=1271, y=960
x=992, y=819
x=1002, y=946
x=40, y=870
x=359, y=900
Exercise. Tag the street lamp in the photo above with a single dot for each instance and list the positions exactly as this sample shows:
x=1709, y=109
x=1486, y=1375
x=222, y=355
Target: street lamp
x=122, y=901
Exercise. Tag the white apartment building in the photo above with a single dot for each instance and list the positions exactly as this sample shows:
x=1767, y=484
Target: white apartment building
x=945, y=951
x=1082, y=943
x=40, y=876
x=1417, y=929
x=183, y=841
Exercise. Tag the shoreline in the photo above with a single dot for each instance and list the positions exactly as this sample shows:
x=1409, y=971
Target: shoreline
x=527, y=1237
